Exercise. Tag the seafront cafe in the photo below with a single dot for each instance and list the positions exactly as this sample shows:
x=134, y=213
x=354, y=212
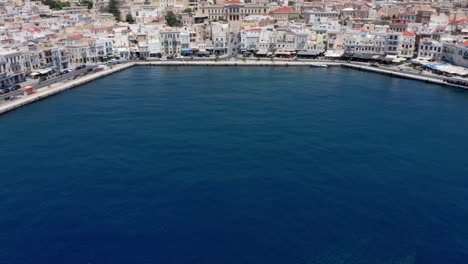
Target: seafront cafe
x=41, y=73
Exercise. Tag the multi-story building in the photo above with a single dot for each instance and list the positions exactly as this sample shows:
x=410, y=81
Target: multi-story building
x=10, y=68
x=170, y=43
x=232, y=10
x=399, y=25
x=392, y=43
x=430, y=49
x=407, y=44
x=456, y=53
x=423, y=16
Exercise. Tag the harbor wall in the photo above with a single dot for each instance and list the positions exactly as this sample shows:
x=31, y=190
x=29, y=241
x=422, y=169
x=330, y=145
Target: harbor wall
x=402, y=74
x=235, y=63
x=60, y=87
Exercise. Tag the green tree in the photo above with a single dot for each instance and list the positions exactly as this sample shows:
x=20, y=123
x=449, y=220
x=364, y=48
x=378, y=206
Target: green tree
x=129, y=18
x=56, y=4
x=188, y=10
x=87, y=3
x=217, y=58
x=291, y=3
x=113, y=8
x=159, y=55
x=172, y=20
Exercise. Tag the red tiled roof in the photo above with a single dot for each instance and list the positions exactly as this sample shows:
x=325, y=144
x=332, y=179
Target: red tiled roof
x=76, y=36
x=26, y=88
x=362, y=29
x=465, y=43
x=284, y=10
x=408, y=34
x=98, y=29
x=7, y=40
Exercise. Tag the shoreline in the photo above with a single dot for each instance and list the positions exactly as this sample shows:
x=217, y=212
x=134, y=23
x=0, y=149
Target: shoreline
x=60, y=87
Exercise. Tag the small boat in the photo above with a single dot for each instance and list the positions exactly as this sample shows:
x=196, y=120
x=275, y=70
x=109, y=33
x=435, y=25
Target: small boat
x=319, y=65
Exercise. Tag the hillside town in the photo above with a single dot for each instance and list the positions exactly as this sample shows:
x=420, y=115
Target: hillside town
x=41, y=39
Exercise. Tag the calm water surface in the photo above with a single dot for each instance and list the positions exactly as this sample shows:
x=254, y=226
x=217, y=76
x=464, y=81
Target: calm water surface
x=237, y=165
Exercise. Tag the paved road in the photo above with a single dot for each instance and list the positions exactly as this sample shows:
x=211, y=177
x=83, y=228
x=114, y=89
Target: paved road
x=65, y=77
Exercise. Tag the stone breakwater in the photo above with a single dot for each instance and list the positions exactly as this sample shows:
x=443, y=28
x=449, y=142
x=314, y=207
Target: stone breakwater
x=60, y=87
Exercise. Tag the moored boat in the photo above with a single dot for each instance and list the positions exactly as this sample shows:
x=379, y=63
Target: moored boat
x=319, y=65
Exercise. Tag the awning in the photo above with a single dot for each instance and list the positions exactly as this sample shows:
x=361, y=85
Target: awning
x=420, y=61
x=203, y=52
x=364, y=56
x=398, y=60
x=34, y=74
x=448, y=68
x=43, y=71
x=390, y=57
x=262, y=52
x=333, y=55
x=186, y=51
x=308, y=53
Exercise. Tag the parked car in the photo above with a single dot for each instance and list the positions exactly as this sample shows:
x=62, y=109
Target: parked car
x=4, y=91
x=66, y=71
x=90, y=70
x=83, y=66
x=42, y=79
x=374, y=65
x=15, y=87
x=78, y=68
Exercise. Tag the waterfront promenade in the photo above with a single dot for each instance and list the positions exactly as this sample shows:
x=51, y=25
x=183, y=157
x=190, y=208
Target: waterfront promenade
x=58, y=87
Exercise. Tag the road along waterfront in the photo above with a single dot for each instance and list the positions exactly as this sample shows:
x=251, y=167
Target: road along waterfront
x=53, y=89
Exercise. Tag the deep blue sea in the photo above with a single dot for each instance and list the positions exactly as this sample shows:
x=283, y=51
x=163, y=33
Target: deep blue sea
x=251, y=165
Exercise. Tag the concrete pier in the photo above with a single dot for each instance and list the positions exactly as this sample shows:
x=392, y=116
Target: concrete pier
x=59, y=87
x=413, y=76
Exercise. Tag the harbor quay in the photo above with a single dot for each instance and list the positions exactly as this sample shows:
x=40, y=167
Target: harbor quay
x=56, y=88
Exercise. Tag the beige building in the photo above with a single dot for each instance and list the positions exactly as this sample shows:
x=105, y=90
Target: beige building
x=232, y=10
x=284, y=13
